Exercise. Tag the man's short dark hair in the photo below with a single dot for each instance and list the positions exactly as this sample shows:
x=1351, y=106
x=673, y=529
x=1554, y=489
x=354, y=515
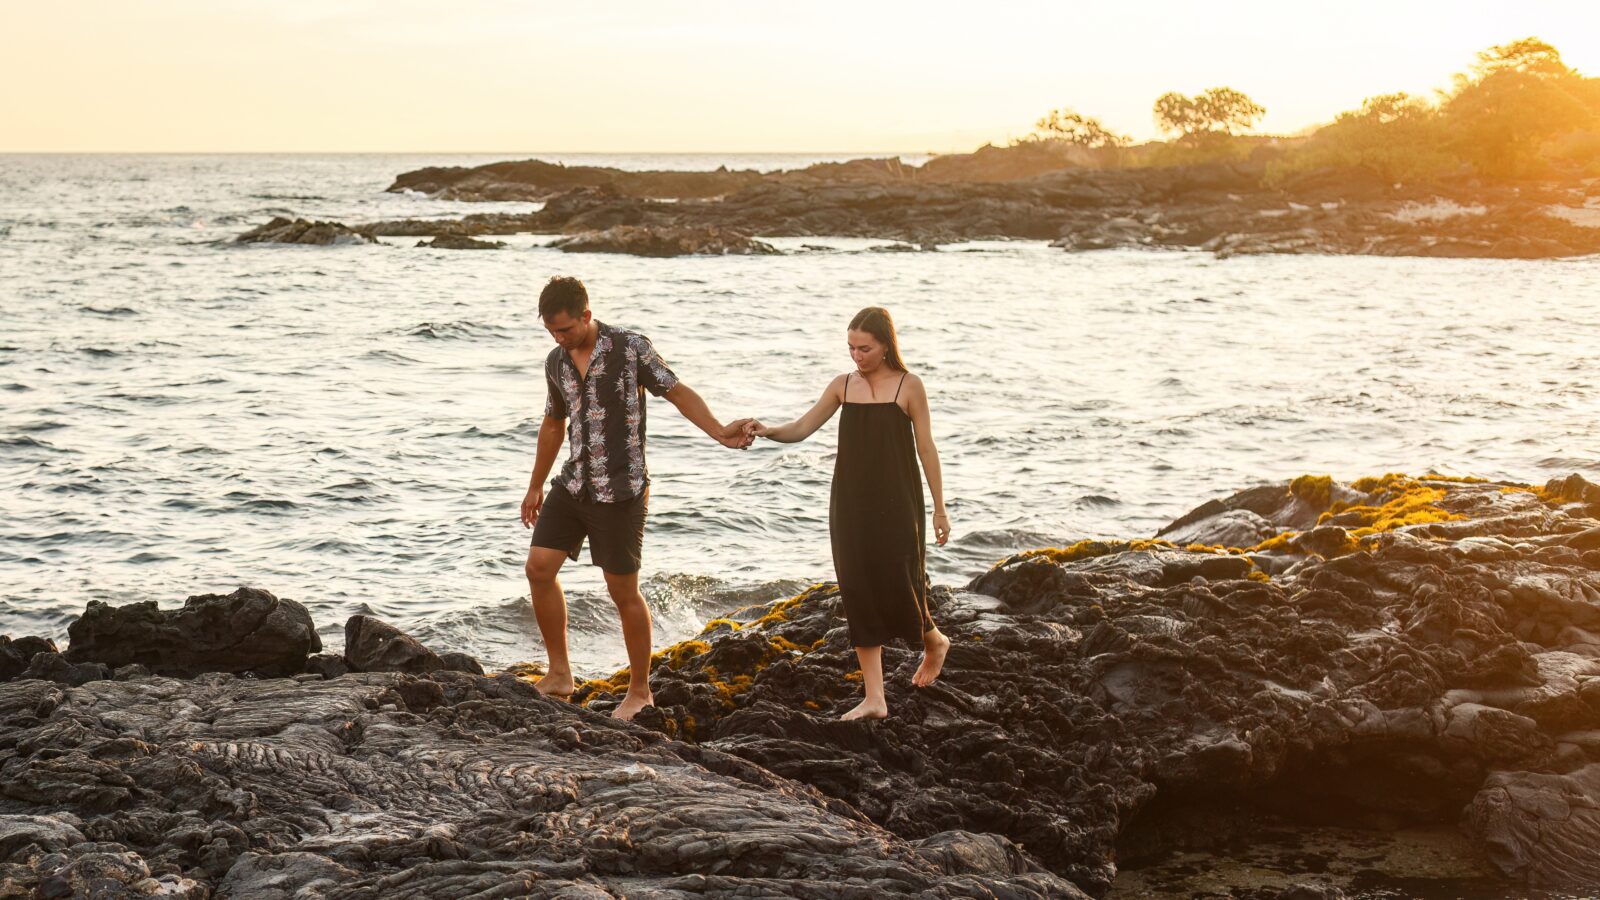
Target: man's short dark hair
x=563, y=294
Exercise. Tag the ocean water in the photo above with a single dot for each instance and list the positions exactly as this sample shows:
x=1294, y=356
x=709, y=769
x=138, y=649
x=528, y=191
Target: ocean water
x=353, y=427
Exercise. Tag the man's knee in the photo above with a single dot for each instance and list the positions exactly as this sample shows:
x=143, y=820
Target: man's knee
x=624, y=590
x=541, y=568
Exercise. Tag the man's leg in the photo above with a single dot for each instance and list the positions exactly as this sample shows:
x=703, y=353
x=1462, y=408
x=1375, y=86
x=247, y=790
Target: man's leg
x=875, y=705
x=636, y=635
x=550, y=608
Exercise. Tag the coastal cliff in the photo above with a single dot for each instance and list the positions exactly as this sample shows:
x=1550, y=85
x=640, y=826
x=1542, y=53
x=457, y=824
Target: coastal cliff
x=1395, y=651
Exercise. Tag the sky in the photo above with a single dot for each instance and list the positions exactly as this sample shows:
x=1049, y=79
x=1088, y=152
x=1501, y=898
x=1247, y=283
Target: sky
x=523, y=76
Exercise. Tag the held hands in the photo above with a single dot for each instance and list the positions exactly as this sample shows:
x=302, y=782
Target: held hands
x=736, y=434
x=941, y=527
x=531, y=502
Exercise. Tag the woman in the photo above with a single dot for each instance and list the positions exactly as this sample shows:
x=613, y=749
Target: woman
x=876, y=514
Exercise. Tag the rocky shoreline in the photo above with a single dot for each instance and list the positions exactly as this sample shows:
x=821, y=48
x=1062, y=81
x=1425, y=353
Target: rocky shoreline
x=1393, y=653
x=1226, y=209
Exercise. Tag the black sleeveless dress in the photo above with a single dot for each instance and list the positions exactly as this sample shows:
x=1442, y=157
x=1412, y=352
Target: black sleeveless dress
x=876, y=522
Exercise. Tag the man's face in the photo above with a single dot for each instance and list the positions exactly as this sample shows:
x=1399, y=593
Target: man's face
x=568, y=330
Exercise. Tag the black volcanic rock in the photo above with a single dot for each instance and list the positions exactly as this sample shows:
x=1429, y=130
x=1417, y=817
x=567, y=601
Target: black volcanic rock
x=1039, y=192
x=661, y=241
x=1436, y=639
x=303, y=231
x=350, y=788
x=460, y=242
x=1387, y=653
x=373, y=645
x=249, y=630
x=17, y=653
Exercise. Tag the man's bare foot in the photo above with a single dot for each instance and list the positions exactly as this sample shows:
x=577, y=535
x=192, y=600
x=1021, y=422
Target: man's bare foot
x=934, y=648
x=631, y=704
x=868, y=709
x=556, y=685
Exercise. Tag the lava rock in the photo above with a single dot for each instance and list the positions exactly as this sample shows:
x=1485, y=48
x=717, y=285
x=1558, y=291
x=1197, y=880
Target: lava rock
x=249, y=630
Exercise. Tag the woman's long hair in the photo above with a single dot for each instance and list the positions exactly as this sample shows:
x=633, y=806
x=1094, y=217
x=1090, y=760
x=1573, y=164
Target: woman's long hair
x=875, y=320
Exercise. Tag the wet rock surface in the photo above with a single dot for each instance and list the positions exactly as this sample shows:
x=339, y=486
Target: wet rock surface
x=1424, y=656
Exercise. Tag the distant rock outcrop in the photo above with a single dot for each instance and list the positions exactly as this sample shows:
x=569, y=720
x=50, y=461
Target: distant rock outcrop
x=303, y=231
x=459, y=242
x=641, y=240
x=1043, y=191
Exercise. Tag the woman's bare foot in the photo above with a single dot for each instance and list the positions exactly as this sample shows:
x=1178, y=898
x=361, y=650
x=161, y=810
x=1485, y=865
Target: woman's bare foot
x=934, y=647
x=868, y=709
x=631, y=704
x=556, y=684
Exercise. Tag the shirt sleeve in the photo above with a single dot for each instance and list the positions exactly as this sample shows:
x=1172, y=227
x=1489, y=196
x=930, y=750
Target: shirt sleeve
x=653, y=373
x=555, y=402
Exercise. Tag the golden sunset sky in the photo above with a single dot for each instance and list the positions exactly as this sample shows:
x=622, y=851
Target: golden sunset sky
x=621, y=76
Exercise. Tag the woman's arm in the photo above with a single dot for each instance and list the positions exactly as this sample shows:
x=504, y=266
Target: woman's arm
x=815, y=417
x=917, y=403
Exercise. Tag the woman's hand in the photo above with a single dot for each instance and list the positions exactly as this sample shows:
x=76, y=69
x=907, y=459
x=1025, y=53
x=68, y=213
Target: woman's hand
x=756, y=429
x=941, y=527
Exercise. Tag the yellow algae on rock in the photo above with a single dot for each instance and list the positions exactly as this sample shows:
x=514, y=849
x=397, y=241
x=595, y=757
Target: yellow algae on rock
x=676, y=655
x=1407, y=501
x=1316, y=490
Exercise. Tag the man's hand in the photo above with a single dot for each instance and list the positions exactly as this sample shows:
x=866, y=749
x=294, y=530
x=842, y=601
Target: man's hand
x=531, y=502
x=736, y=434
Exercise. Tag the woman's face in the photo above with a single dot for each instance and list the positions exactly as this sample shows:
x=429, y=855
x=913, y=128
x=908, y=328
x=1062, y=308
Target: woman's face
x=866, y=350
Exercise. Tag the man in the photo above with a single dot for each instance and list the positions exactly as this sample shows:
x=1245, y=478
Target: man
x=596, y=378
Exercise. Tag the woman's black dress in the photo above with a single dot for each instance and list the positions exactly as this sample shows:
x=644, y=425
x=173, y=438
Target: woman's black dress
x=876, y=520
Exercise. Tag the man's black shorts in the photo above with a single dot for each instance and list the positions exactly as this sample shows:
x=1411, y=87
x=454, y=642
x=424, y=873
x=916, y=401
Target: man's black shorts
x=615, y=530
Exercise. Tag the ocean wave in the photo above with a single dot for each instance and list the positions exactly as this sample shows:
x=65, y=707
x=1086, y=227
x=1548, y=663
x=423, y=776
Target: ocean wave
x=109, y=312
x=389, y=356
x=456, y=330
x=356, y=490
x=23, y=442
x=245, y=500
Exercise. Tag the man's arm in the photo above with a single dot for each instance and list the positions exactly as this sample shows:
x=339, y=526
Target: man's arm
x=551, y=433
x=695, y=410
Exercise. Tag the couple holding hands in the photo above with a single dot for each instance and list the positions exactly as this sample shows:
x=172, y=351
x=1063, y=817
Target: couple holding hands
x=596, y=378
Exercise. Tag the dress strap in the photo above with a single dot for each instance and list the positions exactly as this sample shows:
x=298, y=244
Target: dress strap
x=898, y=387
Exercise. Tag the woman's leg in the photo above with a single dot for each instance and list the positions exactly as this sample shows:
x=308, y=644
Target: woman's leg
x=875, y=706
x=934, y=646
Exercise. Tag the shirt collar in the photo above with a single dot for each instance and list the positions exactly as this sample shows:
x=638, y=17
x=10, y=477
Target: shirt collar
x=602, y=343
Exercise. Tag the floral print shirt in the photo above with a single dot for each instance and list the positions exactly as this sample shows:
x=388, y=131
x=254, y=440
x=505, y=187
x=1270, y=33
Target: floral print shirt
x=604, y=410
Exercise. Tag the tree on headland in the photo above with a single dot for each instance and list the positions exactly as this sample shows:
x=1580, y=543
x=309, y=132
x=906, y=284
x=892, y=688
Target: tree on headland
x=1075, y=128
x=1397, y=137
x=1519, y=112
x=1529, y=55
x=1216, y=112
x=1518, y=98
